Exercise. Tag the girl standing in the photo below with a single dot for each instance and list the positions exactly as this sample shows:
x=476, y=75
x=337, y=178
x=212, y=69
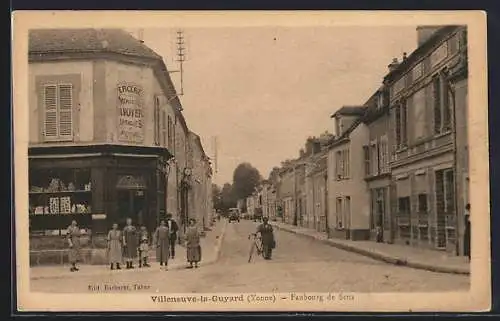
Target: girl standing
x=193, y=244
x=73, y=235
x=130, y=240
x=143, y=247
x=115, y=247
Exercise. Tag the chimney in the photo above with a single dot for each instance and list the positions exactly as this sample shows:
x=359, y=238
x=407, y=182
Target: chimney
x=393, y=65
x=140, y=35
x=425, y=32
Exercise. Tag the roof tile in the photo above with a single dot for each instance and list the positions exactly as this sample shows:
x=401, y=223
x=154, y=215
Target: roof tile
x=85, y=40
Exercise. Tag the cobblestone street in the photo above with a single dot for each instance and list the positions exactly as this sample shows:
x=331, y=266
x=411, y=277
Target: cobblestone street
x=299, y=264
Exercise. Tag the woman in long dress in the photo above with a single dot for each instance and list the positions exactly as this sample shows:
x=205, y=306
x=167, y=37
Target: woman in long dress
x=73, y=235
x=161, y=239
x=130, y=243
x=193, y=244
x=115, y=247
x=467, y=234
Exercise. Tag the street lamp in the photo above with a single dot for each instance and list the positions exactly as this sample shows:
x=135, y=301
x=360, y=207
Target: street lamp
x=185, y=186
x=163, y=167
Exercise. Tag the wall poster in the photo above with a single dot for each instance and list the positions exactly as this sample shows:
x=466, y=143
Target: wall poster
x=130, y=112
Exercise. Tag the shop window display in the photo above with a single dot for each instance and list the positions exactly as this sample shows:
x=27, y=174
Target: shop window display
x=58, y=196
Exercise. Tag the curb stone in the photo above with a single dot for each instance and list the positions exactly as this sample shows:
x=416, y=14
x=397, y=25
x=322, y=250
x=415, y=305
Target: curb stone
x=218, y=246
x=381, y=256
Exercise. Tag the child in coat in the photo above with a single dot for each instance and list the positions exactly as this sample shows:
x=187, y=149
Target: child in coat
x=143, y=247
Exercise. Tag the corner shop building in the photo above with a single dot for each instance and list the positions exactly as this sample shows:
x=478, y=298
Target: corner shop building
x=101, y=129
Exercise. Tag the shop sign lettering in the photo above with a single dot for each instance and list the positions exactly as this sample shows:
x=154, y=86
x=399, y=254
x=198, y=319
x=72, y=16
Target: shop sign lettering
x=130, y=113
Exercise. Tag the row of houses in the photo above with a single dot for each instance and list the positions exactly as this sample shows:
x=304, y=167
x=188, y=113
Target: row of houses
x=107, y=136
x=396, y=168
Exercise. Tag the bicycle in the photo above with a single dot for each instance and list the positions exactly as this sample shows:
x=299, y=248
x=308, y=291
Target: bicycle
x=256, y=245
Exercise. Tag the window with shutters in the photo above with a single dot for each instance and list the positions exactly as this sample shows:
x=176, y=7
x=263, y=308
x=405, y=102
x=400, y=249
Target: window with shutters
x=449, y=192
x=170, y=134
x=374, y=158
x=383, y=154
x=401, y=125
x=347, y=211
x=366, y=154
x=58, y=106
x=338, y=165
x=157, y=121
x=404, y=205
x=404, y=124
x=422, y=203
x=397, y=126
x=347, y=166
x=441, y=105
x=339, y=214
x=419, y=117
x=164, y=128
x=342, y=164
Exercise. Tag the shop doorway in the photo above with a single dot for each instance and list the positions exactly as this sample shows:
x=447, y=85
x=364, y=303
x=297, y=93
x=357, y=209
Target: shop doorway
x=131, y=203
x=131, y=199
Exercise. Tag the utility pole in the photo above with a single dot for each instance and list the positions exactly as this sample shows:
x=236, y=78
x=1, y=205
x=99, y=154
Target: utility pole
x=181, y=56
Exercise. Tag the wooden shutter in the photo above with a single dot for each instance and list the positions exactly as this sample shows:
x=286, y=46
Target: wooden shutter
x=170, y=133
x=50, y=105
x=347, y=164
x=436, y=90
x=404, y=122
x=65, y=110
x=397, y=128
x=366, y=152
x=164, y=128
x=157, y=121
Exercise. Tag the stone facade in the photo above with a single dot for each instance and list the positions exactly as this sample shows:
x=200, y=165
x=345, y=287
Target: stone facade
x=348, y=210
x=109, y=120
x=428, y=96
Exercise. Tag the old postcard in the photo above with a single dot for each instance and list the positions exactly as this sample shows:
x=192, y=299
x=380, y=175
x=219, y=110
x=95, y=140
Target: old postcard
x=251, y=161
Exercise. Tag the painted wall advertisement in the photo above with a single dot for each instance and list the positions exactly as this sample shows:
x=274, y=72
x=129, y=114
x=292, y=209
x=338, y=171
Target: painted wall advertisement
x=130, y=113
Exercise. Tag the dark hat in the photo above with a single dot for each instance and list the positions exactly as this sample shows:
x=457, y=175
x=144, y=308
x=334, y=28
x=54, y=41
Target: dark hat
x=265, y=218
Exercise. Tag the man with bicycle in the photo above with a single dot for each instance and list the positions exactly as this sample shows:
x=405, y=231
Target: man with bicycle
x=267, y=236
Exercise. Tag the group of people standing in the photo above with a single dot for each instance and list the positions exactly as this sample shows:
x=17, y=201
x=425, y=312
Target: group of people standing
x=133, y=244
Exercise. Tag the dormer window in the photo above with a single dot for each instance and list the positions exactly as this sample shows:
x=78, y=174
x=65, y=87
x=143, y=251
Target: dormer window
x=380, y=100
x=339, y=126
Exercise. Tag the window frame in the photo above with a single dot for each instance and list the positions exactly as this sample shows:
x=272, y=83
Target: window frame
x=441, y=105
x=419, y=203
x=401, y=124
x=57, y=98
x=339, y=213
x=163, y=128
x=347, y=211
x=367, y=159
x=448, y=205
x=156, y=120
x=408, y=210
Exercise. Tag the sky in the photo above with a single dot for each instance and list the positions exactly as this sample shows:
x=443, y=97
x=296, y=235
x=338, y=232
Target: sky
x=262, y=91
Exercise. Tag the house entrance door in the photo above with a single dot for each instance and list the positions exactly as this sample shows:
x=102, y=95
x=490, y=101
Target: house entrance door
x=131, y=198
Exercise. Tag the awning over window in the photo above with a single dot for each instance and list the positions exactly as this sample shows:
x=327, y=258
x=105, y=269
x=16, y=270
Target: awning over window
x=421, y=184
x=403, y=187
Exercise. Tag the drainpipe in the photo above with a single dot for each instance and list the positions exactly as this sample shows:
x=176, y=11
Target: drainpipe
x=295, y=220
x=326, y=205
x=451, y=90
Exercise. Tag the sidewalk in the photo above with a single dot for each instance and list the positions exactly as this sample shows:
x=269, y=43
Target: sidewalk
x=210, y=245
x=418, y=258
